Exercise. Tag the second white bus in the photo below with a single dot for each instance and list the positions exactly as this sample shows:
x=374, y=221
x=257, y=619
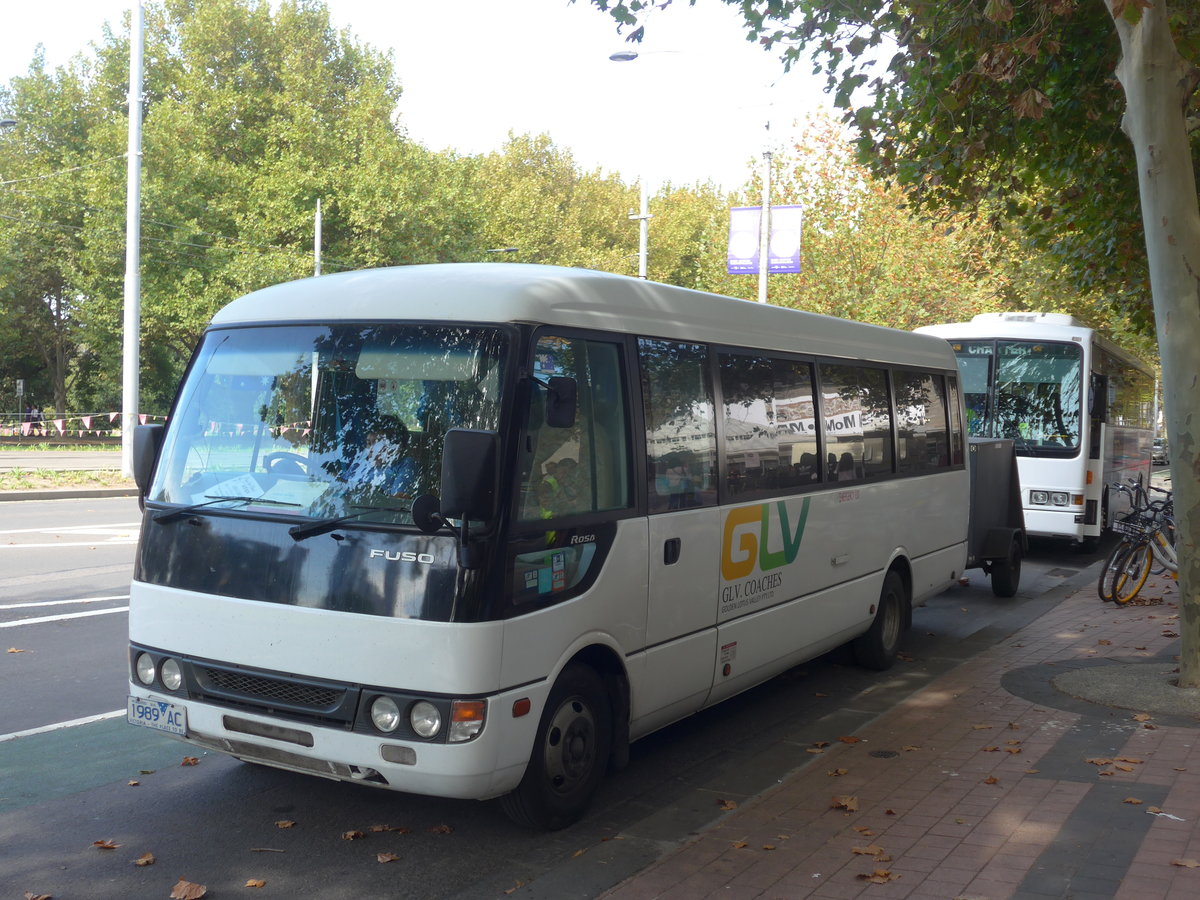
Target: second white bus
x=1078, y=409
x=603, y=504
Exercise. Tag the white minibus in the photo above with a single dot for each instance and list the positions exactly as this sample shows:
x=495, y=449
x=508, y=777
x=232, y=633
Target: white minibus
x=468, y=530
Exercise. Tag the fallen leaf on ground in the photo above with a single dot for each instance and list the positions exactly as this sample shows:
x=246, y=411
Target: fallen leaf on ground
x=105, y=845
x=1123, y=768
x=190, y=761
x=1099, y=761
x=727, y=805
x=133, y=783
x=256, y=882
x=352, y=835
x=187, y=890
x=814, y=750
x=889, y=812
x=386, y=857
x=16, y=650
x=578, y=853
x=1186, y=863
x=1013, y=726
x=837, y=773
x=738, y=845
x=1104, y=642
x=1130, y=759
x=1012, y=750
x=285, y=823
x=911, y=747
x=146, y=859
x=768, y=846
x=1012, y=743
x=843, y=801
x=991, y=779
x=849, y=739
x=1133, y=800
x=30, y=895
x=821, y=744
x=1142, y=717
x=864, y=830
x=515, y=887
x=879, y=876
x=991, y=749
x=441, y=829
x=873, y=850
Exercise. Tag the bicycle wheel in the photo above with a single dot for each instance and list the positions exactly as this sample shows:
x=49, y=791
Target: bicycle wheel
x=1131, y=572
x=1104, y=584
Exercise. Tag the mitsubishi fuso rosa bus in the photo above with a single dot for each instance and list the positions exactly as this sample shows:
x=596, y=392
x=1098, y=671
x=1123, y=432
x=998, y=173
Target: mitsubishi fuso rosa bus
x=469, y=530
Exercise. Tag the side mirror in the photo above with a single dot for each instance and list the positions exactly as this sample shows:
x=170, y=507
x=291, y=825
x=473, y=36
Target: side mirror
x=562, y=400
x=147, y=442
x=470, y=475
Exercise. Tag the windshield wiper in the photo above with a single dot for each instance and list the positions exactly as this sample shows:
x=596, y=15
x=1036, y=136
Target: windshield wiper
x=322, y=526
x=173, y=514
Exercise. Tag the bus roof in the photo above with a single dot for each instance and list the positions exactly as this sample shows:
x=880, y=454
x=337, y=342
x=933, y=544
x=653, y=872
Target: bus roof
x=580, y=298
x=1031, y=326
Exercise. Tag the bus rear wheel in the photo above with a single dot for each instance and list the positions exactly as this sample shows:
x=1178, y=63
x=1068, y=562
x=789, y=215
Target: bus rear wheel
x=570, y=753
x=878, y=647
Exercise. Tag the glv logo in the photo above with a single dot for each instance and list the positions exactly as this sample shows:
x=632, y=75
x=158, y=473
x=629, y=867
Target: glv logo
x=752, y=543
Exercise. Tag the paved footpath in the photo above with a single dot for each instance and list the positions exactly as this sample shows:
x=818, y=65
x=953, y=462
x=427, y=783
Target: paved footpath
x=990, y=783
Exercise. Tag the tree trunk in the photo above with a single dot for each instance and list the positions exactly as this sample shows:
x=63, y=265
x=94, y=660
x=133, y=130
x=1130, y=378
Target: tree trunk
x=1158, y=85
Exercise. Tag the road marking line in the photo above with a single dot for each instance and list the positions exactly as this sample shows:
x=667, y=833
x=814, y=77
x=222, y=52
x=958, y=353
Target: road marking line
x=108, y=542
x=64, y=617
x=98, y=529
x=63, y=602
x=57, y=726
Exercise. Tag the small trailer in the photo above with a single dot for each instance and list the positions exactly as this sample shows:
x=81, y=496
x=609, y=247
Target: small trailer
x=996, y=538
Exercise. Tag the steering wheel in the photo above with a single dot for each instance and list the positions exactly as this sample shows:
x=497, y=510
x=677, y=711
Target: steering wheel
x=283, y=462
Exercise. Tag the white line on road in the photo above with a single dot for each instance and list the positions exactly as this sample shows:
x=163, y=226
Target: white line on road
x=86, y=720
x=108, y=542
x=63, y=602
x=121, y=527
x=64, y=617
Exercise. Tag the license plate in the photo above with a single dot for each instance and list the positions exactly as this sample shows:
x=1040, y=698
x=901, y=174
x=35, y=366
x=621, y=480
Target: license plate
x=158, y=714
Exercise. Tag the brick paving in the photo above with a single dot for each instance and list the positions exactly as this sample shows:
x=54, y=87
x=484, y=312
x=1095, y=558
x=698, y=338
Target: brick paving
x=987, y=784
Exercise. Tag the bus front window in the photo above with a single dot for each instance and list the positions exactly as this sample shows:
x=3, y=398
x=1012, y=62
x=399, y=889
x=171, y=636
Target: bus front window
x=323, y=421
x=1038, y=395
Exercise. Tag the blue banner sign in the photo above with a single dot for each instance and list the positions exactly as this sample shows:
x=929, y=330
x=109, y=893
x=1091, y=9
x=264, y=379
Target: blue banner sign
x=783, y=249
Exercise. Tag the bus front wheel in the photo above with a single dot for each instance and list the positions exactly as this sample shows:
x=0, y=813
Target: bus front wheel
x=878, y=647
x=570, y=753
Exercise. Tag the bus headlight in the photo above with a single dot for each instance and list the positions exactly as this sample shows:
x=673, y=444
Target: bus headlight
x=385, y=714
x=425, y=719
x=144, y=667
x=1039, y=498
x=1060, y=498
x=171, y=675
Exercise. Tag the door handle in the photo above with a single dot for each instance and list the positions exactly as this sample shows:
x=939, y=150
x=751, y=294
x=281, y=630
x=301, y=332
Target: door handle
x=671, y=551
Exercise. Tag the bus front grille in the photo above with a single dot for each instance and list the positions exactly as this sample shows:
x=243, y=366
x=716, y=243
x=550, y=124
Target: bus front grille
x=318, y=702
x=289, y=693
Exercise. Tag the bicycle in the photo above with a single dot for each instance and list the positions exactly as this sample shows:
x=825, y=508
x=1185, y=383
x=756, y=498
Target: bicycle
x=1147, y=535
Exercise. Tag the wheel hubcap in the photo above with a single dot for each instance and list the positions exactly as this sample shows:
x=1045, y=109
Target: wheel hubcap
x=570, y=751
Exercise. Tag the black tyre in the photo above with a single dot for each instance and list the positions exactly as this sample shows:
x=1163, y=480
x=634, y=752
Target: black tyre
x=1104, y=585
x=878, y=647
x=570, y=753
x=1006, y=573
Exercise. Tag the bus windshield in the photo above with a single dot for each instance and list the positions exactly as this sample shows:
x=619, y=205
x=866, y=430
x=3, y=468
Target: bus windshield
x=1029, y=391
x=327, y=421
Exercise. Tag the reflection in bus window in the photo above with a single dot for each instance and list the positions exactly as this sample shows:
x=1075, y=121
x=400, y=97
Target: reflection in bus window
x=923, y=436
x=770, y=423
x=681, y=432
x=858, y=422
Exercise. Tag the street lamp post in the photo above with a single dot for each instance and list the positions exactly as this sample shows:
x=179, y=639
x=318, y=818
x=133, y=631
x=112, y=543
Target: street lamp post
x=133, y=243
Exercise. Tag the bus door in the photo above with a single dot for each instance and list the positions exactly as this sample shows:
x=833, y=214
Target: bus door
x=684, y=530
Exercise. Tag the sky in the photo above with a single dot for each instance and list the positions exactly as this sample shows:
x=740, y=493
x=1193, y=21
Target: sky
x=693, y=107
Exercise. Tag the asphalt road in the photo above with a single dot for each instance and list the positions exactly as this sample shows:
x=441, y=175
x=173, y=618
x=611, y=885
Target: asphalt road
x=215, y=823
x=59, y=460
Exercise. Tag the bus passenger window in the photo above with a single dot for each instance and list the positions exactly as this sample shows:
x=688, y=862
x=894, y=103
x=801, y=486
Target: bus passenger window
x=681, y=431
x=858, y=422
x=770, y=424
x=924, y=440
x=584, y=468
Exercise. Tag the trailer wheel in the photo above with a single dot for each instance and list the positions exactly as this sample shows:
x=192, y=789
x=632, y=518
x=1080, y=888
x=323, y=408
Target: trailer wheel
x=1006, y=573
x=878, y=647
x=570, y=753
